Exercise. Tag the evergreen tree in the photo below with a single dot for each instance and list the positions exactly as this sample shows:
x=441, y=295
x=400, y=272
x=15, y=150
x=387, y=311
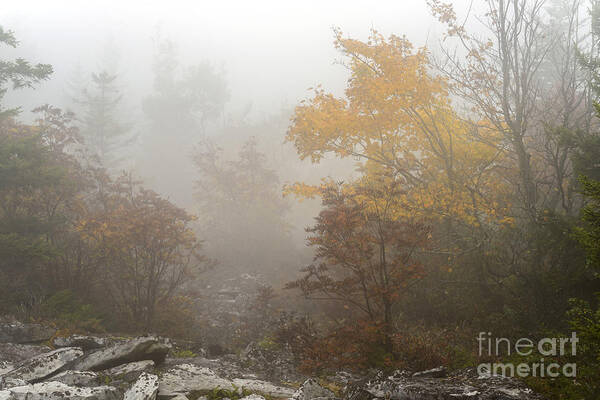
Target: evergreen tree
x=103, y=130
x=18, y=73
x=241, y=203
x=184, y=102
x=190, y=96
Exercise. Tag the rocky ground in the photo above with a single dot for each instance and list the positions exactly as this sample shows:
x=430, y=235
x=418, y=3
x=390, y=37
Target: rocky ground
x=141, y=368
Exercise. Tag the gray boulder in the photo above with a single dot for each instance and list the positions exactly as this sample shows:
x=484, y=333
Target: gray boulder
x=85, y=342
x=20, y=333
x=44, y=365
x=465, y=384
x=7, y=383
x=138, y=349
x=16, y=353
x=438, y=372
x=77, y=378
x=186, y=378
x=145, y=388
x=263, y=387
x=129, y=372
x=5, y=367
x=311, y=390
x=59, y=391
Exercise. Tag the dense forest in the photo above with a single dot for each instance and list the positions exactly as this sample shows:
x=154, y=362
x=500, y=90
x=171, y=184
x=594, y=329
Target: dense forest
x=454, y=189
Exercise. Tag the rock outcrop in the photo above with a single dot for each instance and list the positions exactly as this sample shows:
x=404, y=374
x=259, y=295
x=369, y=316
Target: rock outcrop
x=188, y=378
x=6, y=382
x=465, y=384
x=5, y=367
x=129, y=372
x=44, y=365
x=59, y=391
x=78, y=378
x=138, y=349
x=438, y=372
x=16, y=353
x=311, y=390
x=84, y=342
x=145, y=388
x=131, y=369
x=264, y=388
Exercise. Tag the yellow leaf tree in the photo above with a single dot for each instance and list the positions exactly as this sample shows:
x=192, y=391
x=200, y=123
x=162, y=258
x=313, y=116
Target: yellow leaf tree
x=397, y=118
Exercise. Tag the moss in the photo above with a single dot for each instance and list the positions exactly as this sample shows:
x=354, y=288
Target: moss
x=183, y=354
x=334, y=387
x=268, y=344
x=295, y=384
x=106, y=380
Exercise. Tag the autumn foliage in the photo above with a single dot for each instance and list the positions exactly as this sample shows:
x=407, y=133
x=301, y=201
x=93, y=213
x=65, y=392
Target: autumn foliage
x=363, y=258
x=146, y=243
x=474, y=204
x=428, y=180
x=397, y=118
x=103, y=251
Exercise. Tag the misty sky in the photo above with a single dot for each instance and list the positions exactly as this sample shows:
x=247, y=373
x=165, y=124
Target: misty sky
x=271, y=51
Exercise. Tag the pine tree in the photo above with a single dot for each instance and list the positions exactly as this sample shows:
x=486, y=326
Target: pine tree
x=104, y=131
x=19, y=73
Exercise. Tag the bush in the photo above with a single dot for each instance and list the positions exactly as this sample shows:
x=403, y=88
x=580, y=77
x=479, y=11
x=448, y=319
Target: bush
x=357, y=347
x=585, y=320
x=176, y=318
x=69, y=312
x=295, y=333
x=419, y=348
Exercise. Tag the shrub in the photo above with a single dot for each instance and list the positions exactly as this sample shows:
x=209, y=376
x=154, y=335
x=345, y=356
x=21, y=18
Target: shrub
x=69, y=312
x=585, y=320
x=176, y=318
x=354, y=346
x=420, y=348
x=295, y=332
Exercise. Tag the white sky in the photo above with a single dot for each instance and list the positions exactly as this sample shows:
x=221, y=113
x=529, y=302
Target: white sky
x=272, y=51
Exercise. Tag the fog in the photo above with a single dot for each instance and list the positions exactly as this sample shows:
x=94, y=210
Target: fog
x=269, y=53
x=306, y=186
